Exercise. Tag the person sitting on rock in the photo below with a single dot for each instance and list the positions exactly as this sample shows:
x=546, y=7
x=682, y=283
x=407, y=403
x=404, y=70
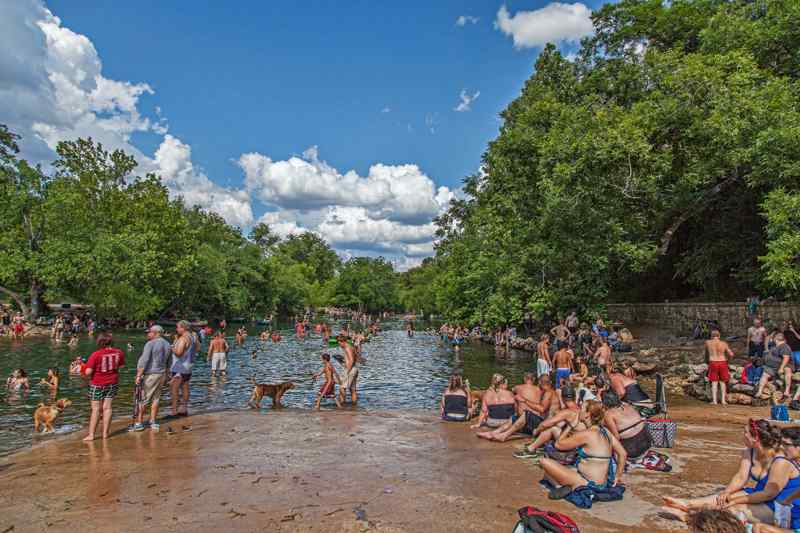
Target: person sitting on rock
x=550, y=429
x=777, y=364
x=630, y=391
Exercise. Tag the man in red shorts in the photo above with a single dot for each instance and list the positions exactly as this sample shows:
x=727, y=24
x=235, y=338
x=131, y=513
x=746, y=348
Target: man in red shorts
x=718, y=373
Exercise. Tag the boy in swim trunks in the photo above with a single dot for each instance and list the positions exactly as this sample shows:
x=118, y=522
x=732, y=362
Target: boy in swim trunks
x=718, y=373
x=327, y=389
x=564, y=367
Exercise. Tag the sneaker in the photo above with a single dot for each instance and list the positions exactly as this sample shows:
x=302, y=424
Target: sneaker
x=526, y=453
x=138, y=427
x=154, y=426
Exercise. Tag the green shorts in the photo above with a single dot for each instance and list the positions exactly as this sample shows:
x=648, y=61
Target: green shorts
x=103, y=392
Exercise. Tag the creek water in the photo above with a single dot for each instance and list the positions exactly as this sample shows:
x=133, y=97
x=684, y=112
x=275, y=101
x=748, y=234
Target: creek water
x=399, y=373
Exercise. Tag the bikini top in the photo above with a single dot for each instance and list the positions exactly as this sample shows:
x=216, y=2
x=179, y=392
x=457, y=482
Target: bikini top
x=641, y=421
x=455, y=403
x=792, y=485
x=582, y=455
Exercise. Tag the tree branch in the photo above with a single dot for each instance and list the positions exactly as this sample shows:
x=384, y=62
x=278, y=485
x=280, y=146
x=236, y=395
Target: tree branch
x=666, y=239
x=17, y=298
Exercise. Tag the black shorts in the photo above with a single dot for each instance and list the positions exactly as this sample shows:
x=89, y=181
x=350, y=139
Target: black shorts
x=637, y=445
x=756, y=350
x=532, y=421
x=185, y=378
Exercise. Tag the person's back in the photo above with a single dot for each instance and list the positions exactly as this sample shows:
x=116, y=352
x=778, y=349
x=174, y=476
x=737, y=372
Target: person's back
x=527, y=394
x=562, y=359
x=157, y=352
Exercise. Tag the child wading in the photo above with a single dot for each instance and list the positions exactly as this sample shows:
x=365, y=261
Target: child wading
x=327, y=389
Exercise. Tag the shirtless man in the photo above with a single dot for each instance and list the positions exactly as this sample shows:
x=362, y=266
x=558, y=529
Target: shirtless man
x=348, y=378
x=603, y=357
x=550, y=429
x=561, y=334
x=543, y=363
x=218, y=354
x=718, y=372
x=756, y=335
x=533, y=404
x=327, y=389
x=564, y=366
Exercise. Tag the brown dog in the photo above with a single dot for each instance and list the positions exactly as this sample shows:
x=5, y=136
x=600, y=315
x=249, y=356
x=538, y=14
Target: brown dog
x=45, y=415
x=274, y=391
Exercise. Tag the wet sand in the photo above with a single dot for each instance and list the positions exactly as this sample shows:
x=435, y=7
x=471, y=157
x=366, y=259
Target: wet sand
x=295, y=470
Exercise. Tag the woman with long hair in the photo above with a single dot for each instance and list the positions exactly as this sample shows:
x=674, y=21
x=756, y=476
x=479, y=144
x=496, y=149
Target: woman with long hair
x=456, y=400
x=601, y=458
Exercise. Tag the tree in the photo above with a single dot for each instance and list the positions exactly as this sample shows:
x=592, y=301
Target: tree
x=367, y=284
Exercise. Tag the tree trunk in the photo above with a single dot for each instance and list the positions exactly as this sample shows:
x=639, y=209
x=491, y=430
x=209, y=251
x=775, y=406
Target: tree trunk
x=17, y=298
x=36, y=300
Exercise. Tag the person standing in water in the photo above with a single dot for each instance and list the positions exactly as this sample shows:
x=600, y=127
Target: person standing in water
x=183, y=352
x=349, y=377
x=218, y=354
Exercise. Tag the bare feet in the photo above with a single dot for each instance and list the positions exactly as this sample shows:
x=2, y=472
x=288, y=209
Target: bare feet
x=675, y=514
x=88, y=438
x=676, y=503
x=488, y=435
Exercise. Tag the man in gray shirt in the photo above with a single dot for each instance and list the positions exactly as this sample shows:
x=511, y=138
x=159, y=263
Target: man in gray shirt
x=151, y=373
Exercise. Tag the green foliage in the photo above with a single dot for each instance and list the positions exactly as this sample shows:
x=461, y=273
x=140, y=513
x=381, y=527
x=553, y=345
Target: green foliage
x=367, y=284
x=637, y=170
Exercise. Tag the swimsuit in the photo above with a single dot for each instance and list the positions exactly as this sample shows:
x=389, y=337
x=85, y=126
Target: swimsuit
x=562, y=373
x=499, y=414
x=634, y=393
x=532, y=421
x=637, y=445
x=455, y=407
x=582, y=456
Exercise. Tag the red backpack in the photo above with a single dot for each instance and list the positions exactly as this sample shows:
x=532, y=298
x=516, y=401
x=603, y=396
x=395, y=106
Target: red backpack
x=533, y=520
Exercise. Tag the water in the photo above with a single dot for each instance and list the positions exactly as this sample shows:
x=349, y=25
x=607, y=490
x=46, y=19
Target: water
x=400, y=373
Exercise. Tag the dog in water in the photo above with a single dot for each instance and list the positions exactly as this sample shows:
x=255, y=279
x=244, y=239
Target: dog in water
x=274, y=391
x=45, y=415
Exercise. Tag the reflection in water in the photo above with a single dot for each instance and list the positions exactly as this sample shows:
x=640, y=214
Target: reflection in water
x=401, y=372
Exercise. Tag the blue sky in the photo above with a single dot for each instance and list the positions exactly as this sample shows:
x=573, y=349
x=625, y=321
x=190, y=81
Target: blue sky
x=366, y=83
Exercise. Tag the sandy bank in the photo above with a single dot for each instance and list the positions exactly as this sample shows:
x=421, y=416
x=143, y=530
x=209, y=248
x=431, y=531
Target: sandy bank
x=329, y=471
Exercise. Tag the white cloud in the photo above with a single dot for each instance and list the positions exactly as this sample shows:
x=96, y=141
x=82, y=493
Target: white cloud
x=463, y=20
x=396, y=192
x=556, y=22
x=52, y=89
x=173, y=160
x=386, y=109
x=466, y=101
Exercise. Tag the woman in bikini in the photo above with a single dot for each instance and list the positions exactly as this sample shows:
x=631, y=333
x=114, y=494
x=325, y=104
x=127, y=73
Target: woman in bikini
x=52, y=380
x=763, y=463
x=601, y=458
x=498, y=404
x=456, y=400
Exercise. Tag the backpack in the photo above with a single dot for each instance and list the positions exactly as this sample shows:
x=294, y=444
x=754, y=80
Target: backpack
x=533, y=520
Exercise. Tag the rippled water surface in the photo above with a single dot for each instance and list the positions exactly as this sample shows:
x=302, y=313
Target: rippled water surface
x=400, y=372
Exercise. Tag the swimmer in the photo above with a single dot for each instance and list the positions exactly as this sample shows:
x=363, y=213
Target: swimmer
x=73, y=341
x=331, y=377
x=18, y=380
x=75, y=366
x=264, y=335
x=276, y=337
x=52, y=379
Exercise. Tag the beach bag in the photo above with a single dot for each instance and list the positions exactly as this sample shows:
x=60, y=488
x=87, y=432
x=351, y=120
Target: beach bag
x=662, y=432
x=751, y=374
x=533, y=520
x=779, y=413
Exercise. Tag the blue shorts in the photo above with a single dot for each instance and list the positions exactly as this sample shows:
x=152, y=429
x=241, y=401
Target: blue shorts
x=562, y=373
x=796, y=358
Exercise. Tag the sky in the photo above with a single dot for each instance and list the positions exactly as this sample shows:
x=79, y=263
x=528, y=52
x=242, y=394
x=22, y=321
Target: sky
x=357, y=120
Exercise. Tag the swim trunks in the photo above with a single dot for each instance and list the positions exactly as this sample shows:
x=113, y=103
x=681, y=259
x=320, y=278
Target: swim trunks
x=103, y=392
x=532, y=421
x=185, y=378
x=718, y=371
x=219, y=361
x=348, y=378
x=561, y=373
x=326, y=391
x=634, y=393
x=542, y=367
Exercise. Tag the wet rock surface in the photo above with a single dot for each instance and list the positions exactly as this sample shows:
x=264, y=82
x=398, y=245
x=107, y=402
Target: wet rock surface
x=295, y=470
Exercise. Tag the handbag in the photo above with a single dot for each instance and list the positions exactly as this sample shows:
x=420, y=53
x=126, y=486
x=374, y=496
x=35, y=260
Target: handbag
x=779, y=412
x=662, y=432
